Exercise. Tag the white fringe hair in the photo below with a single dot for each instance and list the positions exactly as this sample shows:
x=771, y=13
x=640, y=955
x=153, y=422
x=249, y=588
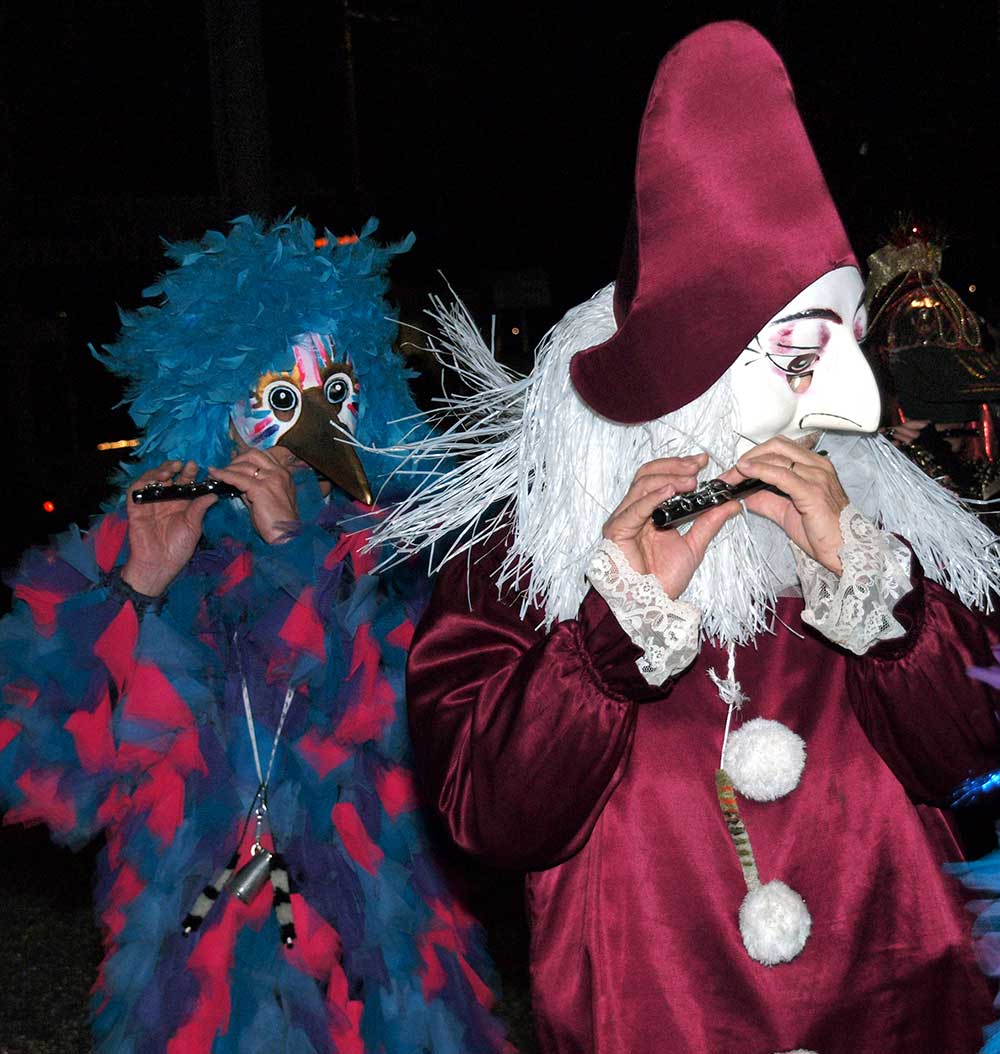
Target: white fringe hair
x=531, y=456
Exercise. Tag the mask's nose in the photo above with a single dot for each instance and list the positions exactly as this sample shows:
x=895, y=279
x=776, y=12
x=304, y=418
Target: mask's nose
x=843, y=395
x=321, y=441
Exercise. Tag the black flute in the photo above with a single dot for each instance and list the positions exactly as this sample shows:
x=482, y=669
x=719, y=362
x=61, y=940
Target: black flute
x=183, y=491
x=682, y=508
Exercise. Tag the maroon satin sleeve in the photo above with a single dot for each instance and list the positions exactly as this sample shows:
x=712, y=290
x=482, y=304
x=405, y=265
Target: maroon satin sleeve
x=932, y=724
x=520, y=734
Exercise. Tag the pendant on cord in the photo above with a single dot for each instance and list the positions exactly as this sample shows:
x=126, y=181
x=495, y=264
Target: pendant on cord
x=774, y=919
x=763, y=761
x=246, y=883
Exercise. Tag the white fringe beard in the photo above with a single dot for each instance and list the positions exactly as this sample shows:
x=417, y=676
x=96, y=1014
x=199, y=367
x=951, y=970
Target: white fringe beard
x=533, y=457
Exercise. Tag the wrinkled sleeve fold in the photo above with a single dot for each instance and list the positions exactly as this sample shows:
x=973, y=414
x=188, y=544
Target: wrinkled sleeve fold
x=521, y=735
x=932, y=724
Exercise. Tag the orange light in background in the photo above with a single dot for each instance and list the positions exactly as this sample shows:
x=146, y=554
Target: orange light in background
x=49, y=506
x=344, y=239
x=972, y=288
x=989, y=438
x=516, y=331
x=118, y=444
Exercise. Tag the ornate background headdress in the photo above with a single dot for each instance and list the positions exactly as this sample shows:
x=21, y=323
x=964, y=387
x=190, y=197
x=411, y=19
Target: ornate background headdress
x=926, y=337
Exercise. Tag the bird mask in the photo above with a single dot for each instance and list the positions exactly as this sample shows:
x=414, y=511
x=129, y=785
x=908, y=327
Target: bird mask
x=311, y=408
x=277, y=335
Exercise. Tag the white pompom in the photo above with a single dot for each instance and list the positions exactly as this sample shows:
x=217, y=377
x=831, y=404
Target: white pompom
x=798, y=1050
x=764, y=759
x=774, y=923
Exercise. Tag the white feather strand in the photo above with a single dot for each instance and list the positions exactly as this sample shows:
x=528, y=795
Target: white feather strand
x=534, y=462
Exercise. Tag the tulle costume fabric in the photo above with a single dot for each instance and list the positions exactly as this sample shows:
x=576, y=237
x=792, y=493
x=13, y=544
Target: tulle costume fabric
x=131, y=722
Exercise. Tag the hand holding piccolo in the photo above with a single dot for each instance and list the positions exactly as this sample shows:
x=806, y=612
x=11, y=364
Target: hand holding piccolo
x=683, y=508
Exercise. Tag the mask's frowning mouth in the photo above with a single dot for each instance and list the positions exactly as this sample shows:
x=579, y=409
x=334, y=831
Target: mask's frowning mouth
x=828, y=417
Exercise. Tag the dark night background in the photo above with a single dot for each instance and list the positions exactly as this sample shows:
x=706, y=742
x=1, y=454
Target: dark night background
x=502, y=134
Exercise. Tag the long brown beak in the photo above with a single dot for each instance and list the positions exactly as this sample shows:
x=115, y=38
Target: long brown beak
x=322, y=442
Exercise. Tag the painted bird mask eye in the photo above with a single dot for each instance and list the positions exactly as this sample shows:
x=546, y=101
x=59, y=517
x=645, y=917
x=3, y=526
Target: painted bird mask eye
x=283, y=398
x=340, y=389
x=312, y=409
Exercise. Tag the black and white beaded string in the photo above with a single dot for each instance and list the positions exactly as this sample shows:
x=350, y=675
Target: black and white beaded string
x=245, y=882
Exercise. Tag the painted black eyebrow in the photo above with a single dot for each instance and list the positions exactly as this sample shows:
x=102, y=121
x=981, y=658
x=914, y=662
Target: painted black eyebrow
x=815, y=312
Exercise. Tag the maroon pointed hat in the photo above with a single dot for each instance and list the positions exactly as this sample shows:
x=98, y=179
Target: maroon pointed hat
x=732, y=219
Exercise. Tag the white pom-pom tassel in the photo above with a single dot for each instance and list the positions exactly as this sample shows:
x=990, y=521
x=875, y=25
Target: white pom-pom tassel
x=774, y=923
x=764, y=759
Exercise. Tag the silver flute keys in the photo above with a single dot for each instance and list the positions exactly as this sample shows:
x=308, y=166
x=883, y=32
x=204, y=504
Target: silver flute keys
x=683, y=508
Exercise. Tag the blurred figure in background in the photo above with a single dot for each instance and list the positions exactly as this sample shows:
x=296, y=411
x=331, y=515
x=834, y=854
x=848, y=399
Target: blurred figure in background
x=937, y=373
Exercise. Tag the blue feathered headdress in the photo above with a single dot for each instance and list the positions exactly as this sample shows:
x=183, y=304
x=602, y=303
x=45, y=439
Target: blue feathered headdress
x=226, y=314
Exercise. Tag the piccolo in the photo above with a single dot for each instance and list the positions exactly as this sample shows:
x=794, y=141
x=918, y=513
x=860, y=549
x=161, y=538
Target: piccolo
x=183, y=491
x=683, y=508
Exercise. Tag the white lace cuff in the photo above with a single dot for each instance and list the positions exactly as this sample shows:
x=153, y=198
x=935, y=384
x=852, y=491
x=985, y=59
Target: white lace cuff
x=665, y=629
x=854, y=610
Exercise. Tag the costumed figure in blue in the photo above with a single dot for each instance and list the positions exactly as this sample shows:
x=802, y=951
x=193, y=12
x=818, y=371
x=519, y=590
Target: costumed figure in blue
x=216, y=682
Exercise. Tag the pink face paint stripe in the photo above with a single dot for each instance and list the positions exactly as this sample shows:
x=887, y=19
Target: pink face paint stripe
x=310, y=357
x=319, y=347
x=268, y=433
x=309, y=368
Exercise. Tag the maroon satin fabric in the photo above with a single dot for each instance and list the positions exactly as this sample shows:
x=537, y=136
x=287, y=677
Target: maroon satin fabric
x=732, y=219
x=549, y=752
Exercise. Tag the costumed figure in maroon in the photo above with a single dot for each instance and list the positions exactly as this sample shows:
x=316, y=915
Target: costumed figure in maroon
x=716, y=746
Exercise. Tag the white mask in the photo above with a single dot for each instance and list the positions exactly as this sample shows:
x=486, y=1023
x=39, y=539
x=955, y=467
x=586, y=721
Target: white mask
x=805, y=371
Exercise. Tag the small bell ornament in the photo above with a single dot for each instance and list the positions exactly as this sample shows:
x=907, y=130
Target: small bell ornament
x=247, y=882
x=263, y=864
